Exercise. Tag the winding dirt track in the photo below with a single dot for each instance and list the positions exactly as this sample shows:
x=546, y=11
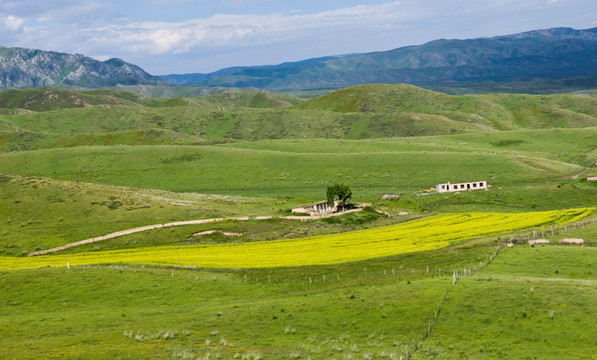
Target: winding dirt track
x=179, y=223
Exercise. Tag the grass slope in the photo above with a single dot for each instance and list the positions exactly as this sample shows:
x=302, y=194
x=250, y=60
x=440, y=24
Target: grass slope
x=137, y=313
x=208, y=169
x=530, y=303
x=371, y=111
x=302, y=168
x=502, y=111
x=42, y=213
x=369, y=309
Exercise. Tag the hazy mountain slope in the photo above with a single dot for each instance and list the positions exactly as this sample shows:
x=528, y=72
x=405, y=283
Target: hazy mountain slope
x=190, y=79
x=49, y=99
x=24, y=68
x=560, y=53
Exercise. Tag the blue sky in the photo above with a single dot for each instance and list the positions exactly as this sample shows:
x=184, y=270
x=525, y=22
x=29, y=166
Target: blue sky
x=188, y=36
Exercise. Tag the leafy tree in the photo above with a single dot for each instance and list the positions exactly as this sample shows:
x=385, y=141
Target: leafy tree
x=341, y=191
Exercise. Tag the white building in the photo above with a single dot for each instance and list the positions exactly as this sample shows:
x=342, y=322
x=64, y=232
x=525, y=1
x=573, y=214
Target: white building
x=321, y=207
x=477, y=185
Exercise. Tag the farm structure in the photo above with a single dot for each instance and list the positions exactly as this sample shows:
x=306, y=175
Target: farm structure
x=477, y=185
x=321, y=207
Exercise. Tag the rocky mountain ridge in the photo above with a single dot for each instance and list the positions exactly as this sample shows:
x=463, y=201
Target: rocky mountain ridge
x=26, y=68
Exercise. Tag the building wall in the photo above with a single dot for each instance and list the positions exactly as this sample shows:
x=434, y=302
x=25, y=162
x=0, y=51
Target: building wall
x=476, y=185
x=321, y=207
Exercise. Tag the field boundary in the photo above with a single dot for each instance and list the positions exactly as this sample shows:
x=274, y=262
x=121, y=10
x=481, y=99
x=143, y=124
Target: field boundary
x=456, y=276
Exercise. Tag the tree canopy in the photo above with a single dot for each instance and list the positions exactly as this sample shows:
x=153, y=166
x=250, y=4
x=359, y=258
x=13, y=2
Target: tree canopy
x=341, y=191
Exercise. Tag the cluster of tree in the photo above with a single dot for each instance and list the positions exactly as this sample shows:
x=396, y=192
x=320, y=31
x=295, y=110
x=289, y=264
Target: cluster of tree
x=341, y=191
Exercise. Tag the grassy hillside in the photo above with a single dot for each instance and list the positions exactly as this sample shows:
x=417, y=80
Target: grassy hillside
x=48, y=99
x=502, y=112
x=363, y=112
x=548, y=318
x=252, y=100
x=216, y=125
x=367, y=309
x=209, y=169
x=43, y=213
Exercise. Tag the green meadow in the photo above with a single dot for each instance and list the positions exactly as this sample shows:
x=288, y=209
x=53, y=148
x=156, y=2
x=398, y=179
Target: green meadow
x=81, y=164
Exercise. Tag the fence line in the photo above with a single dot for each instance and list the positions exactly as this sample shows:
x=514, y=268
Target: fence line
x=456, y=276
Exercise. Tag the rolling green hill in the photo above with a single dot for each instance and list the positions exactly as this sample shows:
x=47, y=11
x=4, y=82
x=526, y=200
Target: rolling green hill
x=52, y=118
x=500, y=111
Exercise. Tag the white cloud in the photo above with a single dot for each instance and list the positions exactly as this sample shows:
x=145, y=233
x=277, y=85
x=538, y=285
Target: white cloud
x=237, y=30
x=13, y=23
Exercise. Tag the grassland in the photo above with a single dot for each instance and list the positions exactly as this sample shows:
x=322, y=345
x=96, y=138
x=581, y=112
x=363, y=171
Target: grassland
x=75, y=165
x=369, y=309
x=50, y=118
x=531, y=303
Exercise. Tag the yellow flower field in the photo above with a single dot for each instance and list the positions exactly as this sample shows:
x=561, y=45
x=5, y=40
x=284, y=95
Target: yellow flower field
x=419, y=235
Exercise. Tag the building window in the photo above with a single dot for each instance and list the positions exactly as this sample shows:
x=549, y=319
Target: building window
x=474, y=185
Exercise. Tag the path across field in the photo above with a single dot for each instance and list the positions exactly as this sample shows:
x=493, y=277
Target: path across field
x=182, y=223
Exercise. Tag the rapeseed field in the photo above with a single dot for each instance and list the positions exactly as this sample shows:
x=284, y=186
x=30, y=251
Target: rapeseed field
x=424, y=234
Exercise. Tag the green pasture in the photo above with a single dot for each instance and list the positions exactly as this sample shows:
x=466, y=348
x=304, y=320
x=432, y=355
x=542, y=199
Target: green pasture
x=575, y=146
x=212, y=169
x=362, y=309
x=530, y=303
x=37, y=214
x=371, y=309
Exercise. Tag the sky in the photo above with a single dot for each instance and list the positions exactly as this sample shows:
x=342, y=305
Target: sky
x=200, y=36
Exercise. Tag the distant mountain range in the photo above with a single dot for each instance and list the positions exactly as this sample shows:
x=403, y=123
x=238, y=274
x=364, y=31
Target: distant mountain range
x=27, y=68
x=556, y=55
x=541, y=61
